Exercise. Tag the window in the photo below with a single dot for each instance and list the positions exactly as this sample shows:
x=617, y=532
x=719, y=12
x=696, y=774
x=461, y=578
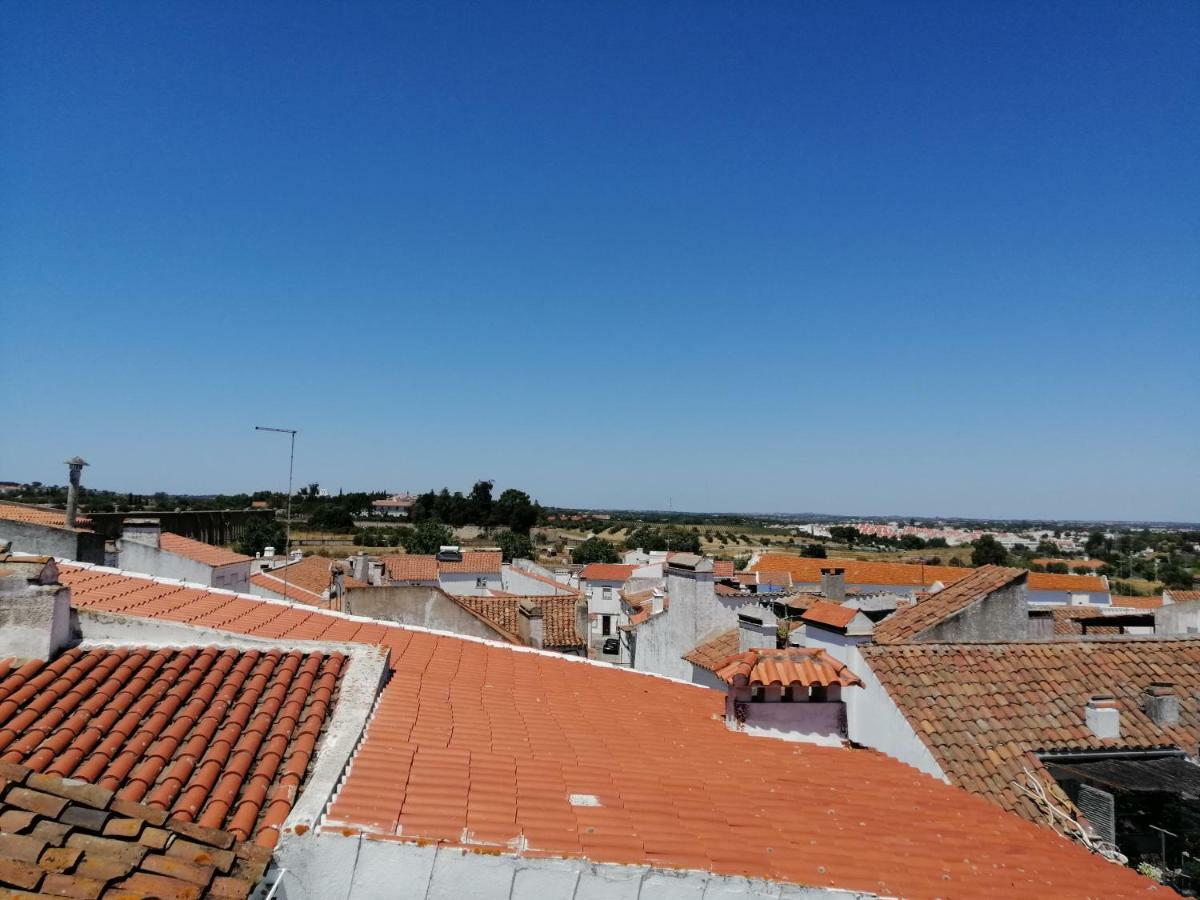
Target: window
x=480, y=582
x=606, y=625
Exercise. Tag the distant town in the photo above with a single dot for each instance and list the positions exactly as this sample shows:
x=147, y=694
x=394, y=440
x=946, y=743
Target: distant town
x=217, y=696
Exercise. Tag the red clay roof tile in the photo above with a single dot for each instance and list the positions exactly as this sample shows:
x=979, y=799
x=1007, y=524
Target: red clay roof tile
x=805, y=666
x=712, y=654
x=607, y=572
x=199, y=551
x=823, y=612
x=533, y=729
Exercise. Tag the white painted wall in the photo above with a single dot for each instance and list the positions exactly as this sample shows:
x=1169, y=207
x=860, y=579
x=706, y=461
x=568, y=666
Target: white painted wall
x=464, y=584
x=873, y=719
x=137, y=557
x=1063, y=598
x=330, y=866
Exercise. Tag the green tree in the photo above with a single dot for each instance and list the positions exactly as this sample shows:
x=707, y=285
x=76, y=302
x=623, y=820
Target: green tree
x=479, y=503
x=514, y=546
x=814, y=551
x=911, y=542
x=331, y=517
x=845, y=534
x=595, y=549
x=988, y=552
x=517, y=511
x=1047, y=548
x=936, y=542
x=260, y=534
x=427, y=537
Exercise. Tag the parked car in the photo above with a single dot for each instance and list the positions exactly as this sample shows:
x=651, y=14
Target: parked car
x=611, y=646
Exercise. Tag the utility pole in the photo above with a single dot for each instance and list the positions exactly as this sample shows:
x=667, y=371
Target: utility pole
x=287, y=541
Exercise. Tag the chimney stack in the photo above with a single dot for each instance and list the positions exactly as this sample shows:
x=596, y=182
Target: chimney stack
x=35, y=610
x=75, y=468
x=529, y=623
x=1103, y=717
x=833, y=584
x=1161, y=703
x=142, y=531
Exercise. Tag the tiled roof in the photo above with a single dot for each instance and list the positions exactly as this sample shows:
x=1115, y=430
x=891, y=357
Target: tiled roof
x=40, y=515
x=722, y=568
x=607, y=572
x=1070, y=620
x=198, y=551
x=1183, y=596
x=411, y=567
x=724, y=590
x=908, y=622
x=220, y=738
x=558, y=616
x=475, y=561
x=61, y=838
x=1073, y=563
x=712, y=653
x=1128, y=602
x=291, y=591
x=822, y=612
x=805, y=666
x=1044, y=581
x=308, y=580
x=808, y=571
x=980, y=708
x=475, y=737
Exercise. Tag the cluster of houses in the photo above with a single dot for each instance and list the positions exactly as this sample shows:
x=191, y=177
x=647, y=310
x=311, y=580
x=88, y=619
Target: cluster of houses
x=190, y=722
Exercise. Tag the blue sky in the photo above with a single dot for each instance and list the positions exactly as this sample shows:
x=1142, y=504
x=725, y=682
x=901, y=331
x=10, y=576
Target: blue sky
x=865, y=258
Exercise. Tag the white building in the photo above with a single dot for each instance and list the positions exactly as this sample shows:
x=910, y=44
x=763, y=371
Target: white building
x=145, y=547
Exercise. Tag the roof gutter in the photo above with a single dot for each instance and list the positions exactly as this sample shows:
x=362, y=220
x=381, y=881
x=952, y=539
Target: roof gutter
x=1092, y=755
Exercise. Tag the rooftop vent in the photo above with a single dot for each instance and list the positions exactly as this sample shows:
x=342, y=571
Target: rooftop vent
x=1103, y=717
x=1161, y=703
x=833, y=584
x=449, y=554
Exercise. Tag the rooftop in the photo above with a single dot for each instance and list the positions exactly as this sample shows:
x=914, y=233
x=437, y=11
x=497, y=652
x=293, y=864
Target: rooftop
x=833, y=615
x=308, y=580
x=980, y=708
x=558, y=616
x=491, y=744
x=425, y=567
x=712, y=653
x=217, y=737
x=908, y=622
x=71, y=839
x=41, y=515
x=607, y=572
x=199, y=551
x=804, y=666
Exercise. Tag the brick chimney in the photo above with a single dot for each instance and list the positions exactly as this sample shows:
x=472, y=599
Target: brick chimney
x=1161, y=703
x=1103, y=716
x=35, y=610
x=75, y=469
x=529, y=623
x=833, y=584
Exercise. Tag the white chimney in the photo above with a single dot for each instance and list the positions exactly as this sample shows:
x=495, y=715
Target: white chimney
x=147, y=532
x=656, y=601
x=1103, y=717
x=35, y=610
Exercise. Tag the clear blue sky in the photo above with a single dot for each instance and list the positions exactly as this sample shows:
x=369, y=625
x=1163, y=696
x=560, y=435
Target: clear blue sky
x=866, y=258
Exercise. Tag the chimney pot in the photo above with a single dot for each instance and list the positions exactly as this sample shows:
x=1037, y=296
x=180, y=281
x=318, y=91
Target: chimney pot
x=833, y=584
x=529, y=623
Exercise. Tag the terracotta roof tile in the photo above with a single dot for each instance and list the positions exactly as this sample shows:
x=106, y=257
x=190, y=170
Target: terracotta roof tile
x=198, y=551
x=411, y=567
x=41, y=515
x=980, y=707
x=805, y=666
x=558, y=616
x=84, y=842
x=822, y=612
x=1045, y=581
x=1073, y=563
x=808, y=571
x=711, y=654
x=607, y=572
x=1184, y=596
x=908, y=622
x=1129, y=602
x=474, y=561
x=308, y=580
x=722, y=568
x=462, y=725
x=202, y=733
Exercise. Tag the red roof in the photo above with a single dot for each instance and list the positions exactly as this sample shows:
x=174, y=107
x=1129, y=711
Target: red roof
x=411, y=567
x=490, y=743
x=607, y=572
x=198, y=551
x=1141, y=602
x=804, y=666
x=822, y=612
x=722, y=568
x=806, y=570
x=1044, y=581
x=1183, y=596
x=218, y=737
x=41, y=515
x=711, y=655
